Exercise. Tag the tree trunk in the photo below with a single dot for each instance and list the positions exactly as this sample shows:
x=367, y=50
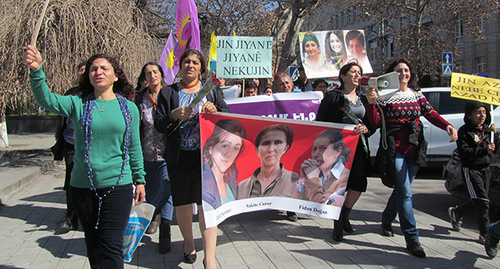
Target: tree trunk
x=288, y=54
x=4, y=139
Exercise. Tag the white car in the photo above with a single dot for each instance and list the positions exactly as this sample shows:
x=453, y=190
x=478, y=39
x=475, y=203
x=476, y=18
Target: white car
x=451, y=109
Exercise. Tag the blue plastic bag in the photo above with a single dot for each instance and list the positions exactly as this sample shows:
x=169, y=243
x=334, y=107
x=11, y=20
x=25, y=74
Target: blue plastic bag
x=138, y=222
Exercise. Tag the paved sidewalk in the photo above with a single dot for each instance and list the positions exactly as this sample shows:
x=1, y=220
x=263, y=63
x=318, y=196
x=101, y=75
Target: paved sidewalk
x=25, y=160
x=30, y=239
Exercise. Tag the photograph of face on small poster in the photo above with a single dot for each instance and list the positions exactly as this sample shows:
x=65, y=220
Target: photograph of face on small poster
x=323, y=53
x=252, y=163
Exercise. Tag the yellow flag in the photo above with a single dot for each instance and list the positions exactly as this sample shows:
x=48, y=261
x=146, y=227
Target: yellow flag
x=212, y=57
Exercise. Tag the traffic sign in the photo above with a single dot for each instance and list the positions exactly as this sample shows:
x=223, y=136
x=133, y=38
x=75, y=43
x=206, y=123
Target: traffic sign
x=447, y=58
x=447, y=70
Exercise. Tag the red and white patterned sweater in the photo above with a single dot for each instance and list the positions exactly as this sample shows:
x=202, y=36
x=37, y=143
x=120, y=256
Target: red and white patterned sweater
x=400, y=107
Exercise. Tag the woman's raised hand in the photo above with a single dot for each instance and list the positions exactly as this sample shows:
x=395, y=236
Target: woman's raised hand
x=371, y=95
x=33, y=58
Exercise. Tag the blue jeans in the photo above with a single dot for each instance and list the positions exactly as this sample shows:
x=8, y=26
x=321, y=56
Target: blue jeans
x=495, y=229
x=400, y=201
x=158, y=192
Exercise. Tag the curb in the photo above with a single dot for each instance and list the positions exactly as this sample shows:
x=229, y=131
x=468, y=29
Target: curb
x=29, y=172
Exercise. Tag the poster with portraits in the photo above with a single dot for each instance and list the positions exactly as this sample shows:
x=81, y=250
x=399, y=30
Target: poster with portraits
x=323, y=53
x=252, y=163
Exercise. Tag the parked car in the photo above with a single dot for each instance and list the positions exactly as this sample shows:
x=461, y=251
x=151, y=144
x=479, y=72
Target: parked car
x=451, y=109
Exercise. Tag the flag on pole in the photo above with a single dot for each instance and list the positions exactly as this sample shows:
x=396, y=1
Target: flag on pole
x=212, y=57
x=187, y=27
x=168, y=60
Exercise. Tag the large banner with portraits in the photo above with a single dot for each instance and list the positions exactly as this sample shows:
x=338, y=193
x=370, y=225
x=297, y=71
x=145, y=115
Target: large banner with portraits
x=323, y=53
x=255, y=163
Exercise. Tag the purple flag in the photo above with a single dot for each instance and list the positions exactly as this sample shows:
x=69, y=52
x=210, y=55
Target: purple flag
x=168, y=60
x=187, y=28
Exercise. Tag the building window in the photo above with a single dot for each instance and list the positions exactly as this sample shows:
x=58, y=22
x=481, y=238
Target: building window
x=373, y=50
x=482, y=64
x=460, y=31
x=390, y=49
x=480, y=24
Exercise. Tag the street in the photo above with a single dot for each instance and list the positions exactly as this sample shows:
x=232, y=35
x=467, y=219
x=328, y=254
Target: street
x=30, y=238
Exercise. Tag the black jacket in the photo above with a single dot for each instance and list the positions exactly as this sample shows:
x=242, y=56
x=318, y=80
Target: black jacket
x=472, y=146
x=473, y=141
x=168, y=100
x=332, y=105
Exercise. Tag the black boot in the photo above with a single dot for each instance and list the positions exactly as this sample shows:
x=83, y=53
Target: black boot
x=153, y=226
x=345, y=218
x=165, y=236
x=338, y=233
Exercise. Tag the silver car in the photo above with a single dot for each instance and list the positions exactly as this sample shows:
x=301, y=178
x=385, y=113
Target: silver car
x=451, y=109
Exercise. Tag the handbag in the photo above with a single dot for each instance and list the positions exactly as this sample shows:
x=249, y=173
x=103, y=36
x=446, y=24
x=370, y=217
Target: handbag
x=385, y=160
x=138, y=222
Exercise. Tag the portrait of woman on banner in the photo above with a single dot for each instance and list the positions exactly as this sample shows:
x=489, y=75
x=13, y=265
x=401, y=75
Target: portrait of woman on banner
x=356, y=49
x=314, y=61
x=271, y=178
x=323, y=177
x=335, y=50
x=220, y=153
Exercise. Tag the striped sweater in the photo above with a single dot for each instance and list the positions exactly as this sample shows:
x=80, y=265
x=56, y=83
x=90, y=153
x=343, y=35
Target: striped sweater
x=400, y=107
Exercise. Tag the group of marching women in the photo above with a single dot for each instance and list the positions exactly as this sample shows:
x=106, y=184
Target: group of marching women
x=126, y=153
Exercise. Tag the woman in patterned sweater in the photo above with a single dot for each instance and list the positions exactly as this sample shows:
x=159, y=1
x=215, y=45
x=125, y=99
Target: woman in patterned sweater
x=402, y=110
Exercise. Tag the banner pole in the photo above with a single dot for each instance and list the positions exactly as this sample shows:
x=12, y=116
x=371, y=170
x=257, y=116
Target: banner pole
x=492, y=138
x=243, y=87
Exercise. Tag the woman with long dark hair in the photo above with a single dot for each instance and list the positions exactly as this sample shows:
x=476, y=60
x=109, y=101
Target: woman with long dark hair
x=220, y=153
x=108, y=158
x=347, y=105
x=402, y=110
x=181, y=123
x=335, y=50
x=158, y=190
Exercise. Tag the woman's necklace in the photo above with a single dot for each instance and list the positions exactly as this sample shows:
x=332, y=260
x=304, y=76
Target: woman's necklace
x=354, y=102
x=153, y=99
x=192, y=85
x=86, y=120
x=102, y=106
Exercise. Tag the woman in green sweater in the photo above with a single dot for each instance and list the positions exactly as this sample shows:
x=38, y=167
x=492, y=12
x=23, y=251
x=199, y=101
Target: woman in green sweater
x=108, y=156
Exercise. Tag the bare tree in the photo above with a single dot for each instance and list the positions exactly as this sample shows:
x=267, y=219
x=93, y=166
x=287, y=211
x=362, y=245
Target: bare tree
x=71, y=32
x=289, y=21
x=422, y=29
x=244, y=17
x=158, y=15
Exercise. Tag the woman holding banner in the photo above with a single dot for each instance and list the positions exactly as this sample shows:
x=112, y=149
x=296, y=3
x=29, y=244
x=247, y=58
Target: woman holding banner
x=347, y=105
x=220, y=153
x=402, y=110
x=108, y=157
x=323, y=177
x=182, y=153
